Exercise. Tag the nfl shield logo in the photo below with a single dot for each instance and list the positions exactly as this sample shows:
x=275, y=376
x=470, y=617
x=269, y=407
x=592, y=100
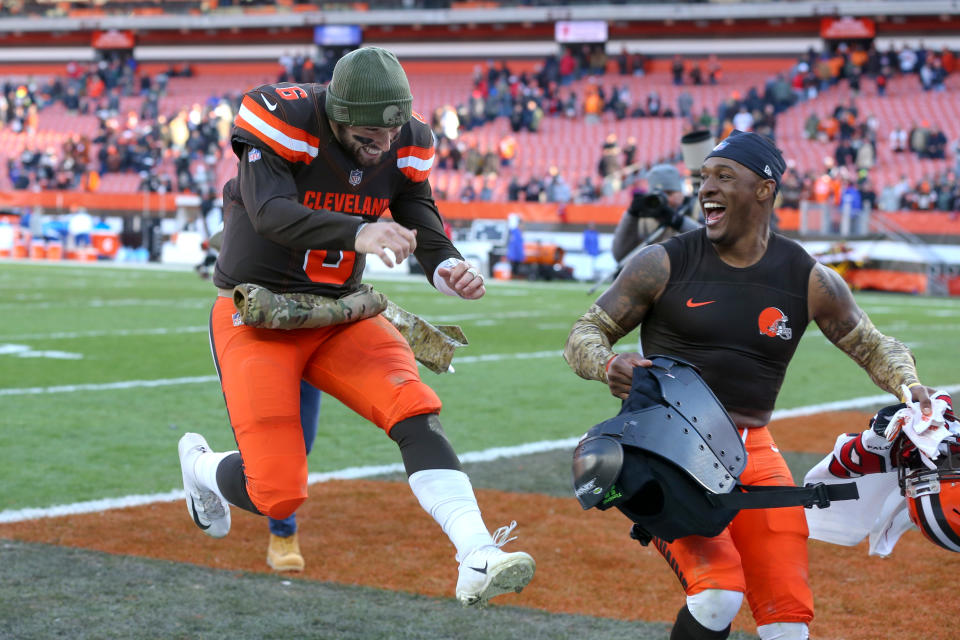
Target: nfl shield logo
x=356, y=176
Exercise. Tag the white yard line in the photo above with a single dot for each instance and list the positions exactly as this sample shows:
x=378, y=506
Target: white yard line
x=351, y=473
x=136, y=384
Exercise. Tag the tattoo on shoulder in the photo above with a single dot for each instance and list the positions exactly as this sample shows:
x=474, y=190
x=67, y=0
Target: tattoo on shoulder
x=640, y=282
x=827, y=280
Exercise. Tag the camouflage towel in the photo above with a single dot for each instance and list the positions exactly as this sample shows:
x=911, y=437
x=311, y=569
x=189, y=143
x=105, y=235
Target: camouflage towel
x=432, y=345
x=264, y=309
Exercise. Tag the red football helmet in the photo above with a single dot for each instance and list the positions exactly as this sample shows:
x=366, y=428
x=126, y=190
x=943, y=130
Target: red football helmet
x=933, y=495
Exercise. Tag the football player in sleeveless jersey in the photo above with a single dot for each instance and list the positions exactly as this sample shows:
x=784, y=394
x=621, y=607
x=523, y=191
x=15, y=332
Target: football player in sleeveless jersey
x=733, y=299
x=319, y=167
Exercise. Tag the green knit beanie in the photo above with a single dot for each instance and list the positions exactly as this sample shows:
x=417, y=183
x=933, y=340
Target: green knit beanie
x=369, y=89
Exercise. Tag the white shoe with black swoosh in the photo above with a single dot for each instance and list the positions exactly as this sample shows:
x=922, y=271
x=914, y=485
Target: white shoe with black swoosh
x=488, y=571
x=208, y=510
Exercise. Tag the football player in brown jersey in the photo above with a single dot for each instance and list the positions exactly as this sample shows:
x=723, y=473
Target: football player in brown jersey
x=319, y=167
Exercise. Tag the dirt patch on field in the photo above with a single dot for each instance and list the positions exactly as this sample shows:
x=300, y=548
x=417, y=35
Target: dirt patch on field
x=375, y=534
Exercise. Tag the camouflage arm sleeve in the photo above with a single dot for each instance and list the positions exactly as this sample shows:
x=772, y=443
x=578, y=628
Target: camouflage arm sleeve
x=888, y=361
x=588, y=349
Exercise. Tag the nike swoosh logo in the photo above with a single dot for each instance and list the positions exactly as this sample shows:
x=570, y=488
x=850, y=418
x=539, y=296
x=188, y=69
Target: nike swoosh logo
x=692, y=304
x=267, y=102
x=482, y=570
x=196, y=518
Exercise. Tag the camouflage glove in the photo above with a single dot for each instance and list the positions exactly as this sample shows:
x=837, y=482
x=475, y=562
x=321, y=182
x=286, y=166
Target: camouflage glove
x=432, y=345
x=264, y=309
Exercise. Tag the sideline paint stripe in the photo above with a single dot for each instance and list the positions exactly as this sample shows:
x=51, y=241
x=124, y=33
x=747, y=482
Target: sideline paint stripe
x=353, y=473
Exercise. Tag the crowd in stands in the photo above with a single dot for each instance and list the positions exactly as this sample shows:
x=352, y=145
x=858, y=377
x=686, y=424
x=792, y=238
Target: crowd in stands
x=175, y=151
x=180, y=150
x=846, y=175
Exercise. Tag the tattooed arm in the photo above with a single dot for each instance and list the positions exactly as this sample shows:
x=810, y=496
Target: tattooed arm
x=619, y=310
x=888, y=361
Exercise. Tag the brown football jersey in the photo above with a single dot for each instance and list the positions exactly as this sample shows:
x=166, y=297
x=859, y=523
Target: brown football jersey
x=292, y=213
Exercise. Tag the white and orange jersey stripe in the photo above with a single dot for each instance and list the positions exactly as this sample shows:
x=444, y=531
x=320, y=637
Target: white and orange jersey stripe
x=415, y=162
x=287, y=141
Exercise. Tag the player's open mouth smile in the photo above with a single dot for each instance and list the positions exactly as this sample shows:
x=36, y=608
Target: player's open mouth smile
x=370, y=152
x=712, y=212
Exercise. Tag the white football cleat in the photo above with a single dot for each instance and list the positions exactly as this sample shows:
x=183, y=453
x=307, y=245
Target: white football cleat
x=487, y=571
x=209, y=511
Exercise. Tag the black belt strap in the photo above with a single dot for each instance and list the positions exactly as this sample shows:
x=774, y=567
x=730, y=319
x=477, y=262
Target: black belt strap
x=769, y=497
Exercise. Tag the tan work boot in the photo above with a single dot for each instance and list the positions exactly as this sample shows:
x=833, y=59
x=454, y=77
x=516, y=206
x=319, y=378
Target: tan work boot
x=283, y=554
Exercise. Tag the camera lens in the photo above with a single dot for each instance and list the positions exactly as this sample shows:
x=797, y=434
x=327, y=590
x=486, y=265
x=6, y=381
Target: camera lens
x=654, y=201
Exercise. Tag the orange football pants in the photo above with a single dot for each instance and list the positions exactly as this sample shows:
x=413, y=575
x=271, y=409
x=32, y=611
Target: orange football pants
x=762, y=552
x=367, y=365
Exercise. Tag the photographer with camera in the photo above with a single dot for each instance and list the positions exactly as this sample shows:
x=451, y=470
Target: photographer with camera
x=655, y=215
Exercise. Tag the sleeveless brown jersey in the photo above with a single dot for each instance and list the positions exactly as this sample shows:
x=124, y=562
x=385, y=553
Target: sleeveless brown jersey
x=739, y=326
x=292, y=213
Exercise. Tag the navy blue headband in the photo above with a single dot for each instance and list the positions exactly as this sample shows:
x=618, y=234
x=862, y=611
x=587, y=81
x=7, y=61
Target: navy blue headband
x=756, y=152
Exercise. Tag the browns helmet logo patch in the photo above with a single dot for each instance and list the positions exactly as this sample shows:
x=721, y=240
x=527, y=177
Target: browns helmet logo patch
x=773, y=323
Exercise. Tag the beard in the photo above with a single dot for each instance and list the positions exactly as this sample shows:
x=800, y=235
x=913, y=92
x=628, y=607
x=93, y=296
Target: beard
x=358, y=152
x=360, y=149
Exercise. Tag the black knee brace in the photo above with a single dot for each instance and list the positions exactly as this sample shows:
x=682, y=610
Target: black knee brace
x=423, y=445
x=232, y=482
x=687, y=628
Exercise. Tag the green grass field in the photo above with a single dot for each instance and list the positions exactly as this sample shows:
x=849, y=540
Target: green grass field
x=137, y=339
x=102, y=368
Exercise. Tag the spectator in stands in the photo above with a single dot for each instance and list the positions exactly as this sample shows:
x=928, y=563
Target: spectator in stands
x=677, y=69
x=653, y=104
x=714, y=69
x=743, y=119
x=609, y=164
x=556, y=188
x=488, y=190
x=844, y=154
x=570, y=106
x=922, y=198
x=898, y=139
x=685, y=104
x=936, y=147
x=630, y=151
x=598, y=60
x=468, y=192
x=765, y=122
x=507, y=150
x=881, y=83
x=918, y=136
x=696, y=74
x=533, y=192
x=587, y=191
x=568, y=67
x=900, y=191
x=532, y=116
x=514, y=189
x=592, y=106
x=866, y=152
x=791, y=188
x=868, y=195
